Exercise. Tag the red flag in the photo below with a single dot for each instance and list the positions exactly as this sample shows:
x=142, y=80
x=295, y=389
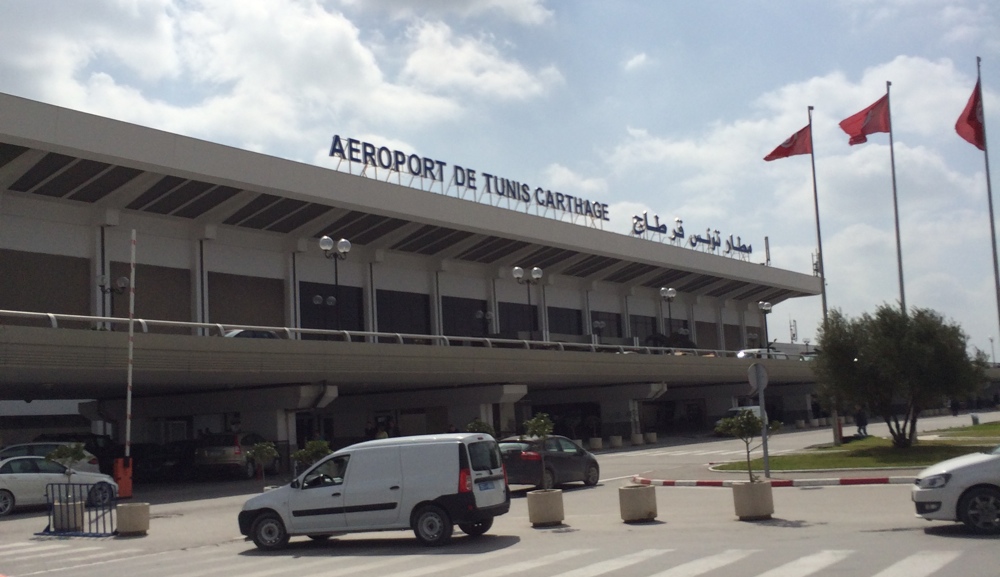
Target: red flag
x=873, y=119
x=799, y=143
x=970, y=123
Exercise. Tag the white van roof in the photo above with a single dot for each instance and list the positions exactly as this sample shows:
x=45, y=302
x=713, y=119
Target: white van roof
x=421, y=440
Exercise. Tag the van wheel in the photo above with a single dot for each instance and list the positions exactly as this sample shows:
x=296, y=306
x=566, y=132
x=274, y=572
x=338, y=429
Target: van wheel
x=431, y=525
x=476, y=529
x=268, y=532
x=593, y=476
x=979, y=509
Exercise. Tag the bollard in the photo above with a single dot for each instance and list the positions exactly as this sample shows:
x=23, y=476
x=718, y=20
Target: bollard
x=975, y=419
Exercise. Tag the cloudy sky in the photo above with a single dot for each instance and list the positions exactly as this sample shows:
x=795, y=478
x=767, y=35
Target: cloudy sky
x=659, y=106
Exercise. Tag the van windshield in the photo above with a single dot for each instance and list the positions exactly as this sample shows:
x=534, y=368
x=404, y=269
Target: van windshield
x=484, y=455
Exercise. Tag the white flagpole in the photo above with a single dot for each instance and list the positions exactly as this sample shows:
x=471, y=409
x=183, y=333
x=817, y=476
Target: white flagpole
x=989, y=190
x=895, y=202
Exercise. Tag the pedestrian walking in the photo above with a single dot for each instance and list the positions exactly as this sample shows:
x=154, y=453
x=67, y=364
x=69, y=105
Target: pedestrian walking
x=861, y=420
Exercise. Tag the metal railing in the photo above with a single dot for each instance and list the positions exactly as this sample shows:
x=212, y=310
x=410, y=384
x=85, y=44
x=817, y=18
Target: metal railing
x=80, y=509
x=219, y=329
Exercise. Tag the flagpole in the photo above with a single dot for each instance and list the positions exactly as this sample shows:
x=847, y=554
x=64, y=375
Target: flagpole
x=989, y=189
x=819, y=236
x=895, y=202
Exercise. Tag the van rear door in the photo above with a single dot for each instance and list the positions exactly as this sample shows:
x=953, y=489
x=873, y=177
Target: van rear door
x=488, y=483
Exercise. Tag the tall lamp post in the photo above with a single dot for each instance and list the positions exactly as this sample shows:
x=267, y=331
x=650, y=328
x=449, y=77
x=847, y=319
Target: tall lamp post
x=336, y=252
x=765, y=309
x=668, y=295
x=536, y=276
x=120, y=286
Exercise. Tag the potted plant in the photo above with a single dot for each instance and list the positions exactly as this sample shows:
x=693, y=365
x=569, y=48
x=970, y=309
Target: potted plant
x=478, y=425
x=67, y=505
x=753, y=500
x=312, y=452
x=545, y=505
x=261, y=453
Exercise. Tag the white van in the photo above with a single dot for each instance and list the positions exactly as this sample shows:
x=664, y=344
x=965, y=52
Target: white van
x=427, y=483
x=734, y=411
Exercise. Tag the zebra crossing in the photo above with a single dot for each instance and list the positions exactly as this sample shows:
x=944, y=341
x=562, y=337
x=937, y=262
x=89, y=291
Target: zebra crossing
x=333, y=559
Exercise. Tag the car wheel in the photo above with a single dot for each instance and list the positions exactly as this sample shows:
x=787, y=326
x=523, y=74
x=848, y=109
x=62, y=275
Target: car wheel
x=6, y=503
x=250, y=470
x=593, y=476
x=979, y=509
x=548, y=479
x=101, y=495
x=268, y=532
x=476, y=529
x=431, y=525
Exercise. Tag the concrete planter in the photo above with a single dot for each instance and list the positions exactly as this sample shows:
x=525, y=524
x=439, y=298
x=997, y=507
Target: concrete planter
x=650, y=438
x=596, y=443
x=615, y=441
x=545, y=507
x=814, y=423
x=800, y=424
x=637, y=503
x=133, y=519
x=637, y=439
x=753, y=501
x=68, y=516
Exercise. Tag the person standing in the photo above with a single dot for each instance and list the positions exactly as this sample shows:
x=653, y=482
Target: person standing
x=861, y=420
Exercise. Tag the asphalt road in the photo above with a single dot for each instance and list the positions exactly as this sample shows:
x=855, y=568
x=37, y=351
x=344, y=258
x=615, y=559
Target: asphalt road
x=857, y=531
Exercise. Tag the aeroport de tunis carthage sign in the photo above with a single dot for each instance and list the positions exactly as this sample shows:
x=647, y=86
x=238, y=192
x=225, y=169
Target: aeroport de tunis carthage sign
x=435, y=171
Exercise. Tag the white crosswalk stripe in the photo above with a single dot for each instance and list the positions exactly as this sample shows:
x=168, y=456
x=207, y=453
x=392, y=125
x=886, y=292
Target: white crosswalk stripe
x=612, y=565
x=920, y=564
x=807, y=565
x=523, y=567
x=706, y=564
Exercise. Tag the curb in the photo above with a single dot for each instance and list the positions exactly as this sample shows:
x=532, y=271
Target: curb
x=843, y=481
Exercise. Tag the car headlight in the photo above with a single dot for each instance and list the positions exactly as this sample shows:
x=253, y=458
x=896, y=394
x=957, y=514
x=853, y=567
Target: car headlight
x=934, y=481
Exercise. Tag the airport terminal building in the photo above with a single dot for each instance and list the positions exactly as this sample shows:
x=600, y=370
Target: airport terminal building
x=442, y=293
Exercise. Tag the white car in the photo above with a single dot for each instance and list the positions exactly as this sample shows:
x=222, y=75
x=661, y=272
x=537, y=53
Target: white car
x=23, y=481
x=965, y=489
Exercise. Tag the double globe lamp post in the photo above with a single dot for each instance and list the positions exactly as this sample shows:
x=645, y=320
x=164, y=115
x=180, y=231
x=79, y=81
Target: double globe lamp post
x=765, y=309
x=535, y=278
x=335, y=252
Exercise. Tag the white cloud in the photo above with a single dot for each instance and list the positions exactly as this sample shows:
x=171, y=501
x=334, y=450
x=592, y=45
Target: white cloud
x=440, y=61
x=565, y=180
x=527, y=12
x=636, y=62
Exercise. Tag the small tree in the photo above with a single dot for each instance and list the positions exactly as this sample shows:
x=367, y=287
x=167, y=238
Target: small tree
x=745, y=426
x=312, y=452
x=478, y=425
x=68, y=456
x=261, y=454
x=539, y=426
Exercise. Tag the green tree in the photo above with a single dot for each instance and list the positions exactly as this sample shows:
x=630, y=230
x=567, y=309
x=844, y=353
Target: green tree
x=478, y=425
x=312, y=452
x=262, y=454
x=68, y=456
x=896, y=364
x=745, y=426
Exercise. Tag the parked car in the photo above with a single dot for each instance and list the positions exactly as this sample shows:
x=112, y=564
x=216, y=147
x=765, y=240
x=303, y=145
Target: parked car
x=761, y=354
x=228, y=452
x=251, y=334
x=101, y=446
x=965, y=489
x=89, y=464
x=427, y=483
x=23, y=481
x=565, y=462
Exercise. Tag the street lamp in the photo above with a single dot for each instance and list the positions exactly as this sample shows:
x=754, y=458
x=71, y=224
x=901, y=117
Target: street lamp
x=536, y=276
x=668, y=295
x=765, y=308
x=120, y=286
x=343, y=246
x=598, y=328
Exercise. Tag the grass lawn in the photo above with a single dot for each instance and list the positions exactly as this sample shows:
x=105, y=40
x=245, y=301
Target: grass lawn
x=876, y=452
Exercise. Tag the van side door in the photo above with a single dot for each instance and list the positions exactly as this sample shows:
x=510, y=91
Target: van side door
x=317, y=505
x=374, y=488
